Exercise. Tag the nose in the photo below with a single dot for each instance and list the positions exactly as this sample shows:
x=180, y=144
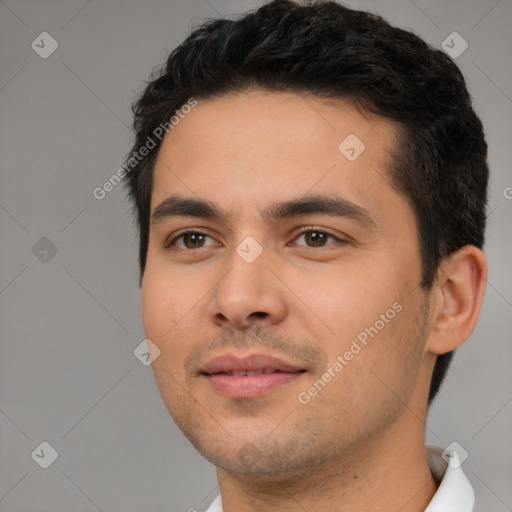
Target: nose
x=247, y=294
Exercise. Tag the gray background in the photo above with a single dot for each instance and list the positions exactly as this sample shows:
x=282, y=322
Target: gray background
x=69, y=325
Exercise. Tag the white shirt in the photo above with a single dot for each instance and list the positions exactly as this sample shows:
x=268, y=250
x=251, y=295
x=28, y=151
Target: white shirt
x=455, y=493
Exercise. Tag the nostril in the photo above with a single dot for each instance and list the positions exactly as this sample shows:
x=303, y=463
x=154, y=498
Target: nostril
x=260, y=314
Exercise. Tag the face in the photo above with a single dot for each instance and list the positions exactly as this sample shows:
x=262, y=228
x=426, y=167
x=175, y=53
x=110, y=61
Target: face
x=282, y=282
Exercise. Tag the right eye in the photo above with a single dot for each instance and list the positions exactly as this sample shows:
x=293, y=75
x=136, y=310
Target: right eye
x=189, y=240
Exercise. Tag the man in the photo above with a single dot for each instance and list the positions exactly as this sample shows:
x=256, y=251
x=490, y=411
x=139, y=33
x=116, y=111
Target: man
x=310, y=188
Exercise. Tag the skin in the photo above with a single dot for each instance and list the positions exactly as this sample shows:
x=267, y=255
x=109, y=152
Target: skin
x=359, y=442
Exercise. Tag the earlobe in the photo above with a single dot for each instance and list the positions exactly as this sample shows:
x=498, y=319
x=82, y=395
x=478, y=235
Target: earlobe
x=457, y=298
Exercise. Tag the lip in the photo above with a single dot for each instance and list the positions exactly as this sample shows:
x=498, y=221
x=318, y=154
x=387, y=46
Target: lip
x=263, y=373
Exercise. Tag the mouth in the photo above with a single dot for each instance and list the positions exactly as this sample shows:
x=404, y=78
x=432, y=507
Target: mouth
x=250, y=376
x=248, y=373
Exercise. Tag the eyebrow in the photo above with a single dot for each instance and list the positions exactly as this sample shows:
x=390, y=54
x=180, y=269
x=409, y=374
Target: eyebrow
x=335, y=206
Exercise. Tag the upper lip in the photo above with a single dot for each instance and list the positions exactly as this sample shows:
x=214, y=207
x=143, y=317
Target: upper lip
x=228, y=363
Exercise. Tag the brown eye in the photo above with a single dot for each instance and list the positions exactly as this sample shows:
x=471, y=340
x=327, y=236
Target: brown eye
x=316, y=238
x=189, y=240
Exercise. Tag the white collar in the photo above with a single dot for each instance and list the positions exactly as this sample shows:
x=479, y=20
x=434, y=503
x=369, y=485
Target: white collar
x=454, y=492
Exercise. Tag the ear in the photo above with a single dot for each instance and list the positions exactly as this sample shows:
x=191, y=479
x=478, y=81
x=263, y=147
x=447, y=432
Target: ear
x=456, y=299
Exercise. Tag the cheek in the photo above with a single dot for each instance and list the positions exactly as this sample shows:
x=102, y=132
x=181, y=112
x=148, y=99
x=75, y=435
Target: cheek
x=368, y=317
x=166, y=300
x=348, y=299
x=165, y=304
x=155, y=298
x=373, y=381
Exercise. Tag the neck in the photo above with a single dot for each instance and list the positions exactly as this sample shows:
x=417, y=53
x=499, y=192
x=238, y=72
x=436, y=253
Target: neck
x=388, y=473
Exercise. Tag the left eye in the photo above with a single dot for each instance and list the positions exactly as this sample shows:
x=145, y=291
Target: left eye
x=316, y=238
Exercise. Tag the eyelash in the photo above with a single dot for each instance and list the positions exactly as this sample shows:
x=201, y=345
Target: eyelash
x=305, y=229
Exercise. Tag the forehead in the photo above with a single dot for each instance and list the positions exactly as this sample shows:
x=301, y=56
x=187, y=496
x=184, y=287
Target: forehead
x=286, y=119
x=265, y=145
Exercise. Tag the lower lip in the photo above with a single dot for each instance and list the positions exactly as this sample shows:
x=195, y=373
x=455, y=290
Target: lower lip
x=249, y=386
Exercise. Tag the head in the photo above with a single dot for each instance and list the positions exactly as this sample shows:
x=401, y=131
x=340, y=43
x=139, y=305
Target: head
x=275, y=99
